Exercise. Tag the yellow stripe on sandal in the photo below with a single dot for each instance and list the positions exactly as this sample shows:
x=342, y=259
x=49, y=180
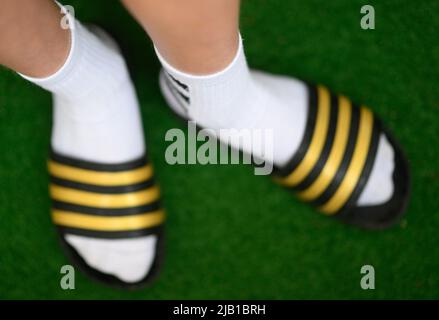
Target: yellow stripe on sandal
x=335, y=159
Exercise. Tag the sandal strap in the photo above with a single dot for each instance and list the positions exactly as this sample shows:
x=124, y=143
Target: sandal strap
x=335, y=157
x=104, y=200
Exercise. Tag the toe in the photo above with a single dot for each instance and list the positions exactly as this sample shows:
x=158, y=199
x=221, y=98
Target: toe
x=385, y=214
x=130, y=260
x=379, y=187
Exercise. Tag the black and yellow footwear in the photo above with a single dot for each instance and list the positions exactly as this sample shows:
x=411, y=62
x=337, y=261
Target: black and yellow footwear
x=335, y=159
x=106, y=201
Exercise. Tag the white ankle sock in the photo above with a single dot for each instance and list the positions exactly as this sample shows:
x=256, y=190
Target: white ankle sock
x=97, y=118
x=240, y=98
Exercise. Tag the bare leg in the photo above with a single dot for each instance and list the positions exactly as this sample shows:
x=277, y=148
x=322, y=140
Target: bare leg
x=199, y=37
x=95, y=118
x=196, y=36
x=32, y=41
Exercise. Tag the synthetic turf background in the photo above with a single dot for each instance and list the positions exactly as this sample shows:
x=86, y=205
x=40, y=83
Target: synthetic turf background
x=231, y=234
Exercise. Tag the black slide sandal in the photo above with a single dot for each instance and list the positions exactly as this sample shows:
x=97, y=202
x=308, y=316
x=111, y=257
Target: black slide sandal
x=106, y=201
x=335, y=158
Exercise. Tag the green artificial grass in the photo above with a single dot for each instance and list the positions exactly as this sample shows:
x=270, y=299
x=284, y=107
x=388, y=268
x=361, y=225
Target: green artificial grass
x=231, y=234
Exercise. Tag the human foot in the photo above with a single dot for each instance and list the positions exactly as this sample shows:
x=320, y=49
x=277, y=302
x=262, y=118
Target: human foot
x=105, y=202
x=333, y=153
